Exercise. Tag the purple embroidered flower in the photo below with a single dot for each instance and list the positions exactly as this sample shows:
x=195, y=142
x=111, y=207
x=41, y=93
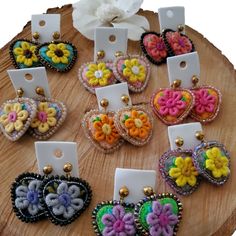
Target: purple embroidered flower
x=118, y=223
x=204, y=101
x=162, y=220
x=171, y=103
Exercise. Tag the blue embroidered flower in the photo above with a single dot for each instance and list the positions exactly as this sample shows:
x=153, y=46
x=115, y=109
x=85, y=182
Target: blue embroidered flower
x=27, y=197
x=66, y=201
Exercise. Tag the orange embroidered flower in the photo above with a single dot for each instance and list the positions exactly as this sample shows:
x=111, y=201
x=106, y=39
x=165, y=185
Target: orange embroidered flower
x=105, y=129
x=138, y=125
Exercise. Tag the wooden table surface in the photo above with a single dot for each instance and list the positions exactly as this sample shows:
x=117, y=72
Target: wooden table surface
x=209, y=211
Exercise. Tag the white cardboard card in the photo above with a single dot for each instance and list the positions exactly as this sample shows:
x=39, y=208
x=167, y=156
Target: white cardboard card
x=183, y=67
x=29, y=79
x=57, y=154
x=110, y=40
x=171, y=18
x=135, y=181
x=113, y=94
x=185, y=131
x=45, y=25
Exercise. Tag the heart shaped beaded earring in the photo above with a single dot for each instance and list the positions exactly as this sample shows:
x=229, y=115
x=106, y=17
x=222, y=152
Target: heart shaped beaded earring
x=100, y=129
x=158, y=214
x=114, y=217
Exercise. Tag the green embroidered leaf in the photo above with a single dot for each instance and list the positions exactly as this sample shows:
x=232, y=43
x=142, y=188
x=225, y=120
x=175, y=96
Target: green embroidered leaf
x=123, y=66
x=50, y=189
x=55, y=185
x=161, y=94
x=126, y=117
x=23, y=107
x=204, y=155
x=183, y=99
x=97, y=119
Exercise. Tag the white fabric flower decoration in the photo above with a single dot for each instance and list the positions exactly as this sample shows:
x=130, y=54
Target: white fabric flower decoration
x=90, y=14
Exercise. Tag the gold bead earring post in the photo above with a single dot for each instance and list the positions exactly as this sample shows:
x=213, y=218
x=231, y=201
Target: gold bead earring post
x=181, y=28
x=148, y=191
x=56, y=35
x=19, y=92
x=199, y=136
x=123, y=192
x=100, y=54
x=36, y=35
x=125, y=99
x=47, y=169
x=67, y=169
x=176, y=83
x=119, y=54
x=195, y=80
x=179, y=142
x=104, y=103
x=40, y=91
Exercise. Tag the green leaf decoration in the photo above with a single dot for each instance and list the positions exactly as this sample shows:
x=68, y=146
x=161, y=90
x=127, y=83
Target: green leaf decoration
x=50, y=189
x=123, y=67
x=205, y=155
x=55, y=185
x=126, y=117
x=183, y=99
x=97, y=119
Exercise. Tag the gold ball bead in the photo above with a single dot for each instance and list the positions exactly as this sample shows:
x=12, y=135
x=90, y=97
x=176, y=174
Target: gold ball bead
x=179, y=142
x=176, y=83
x=148, y=191
x=36, y=35
x=100, y=54
x=195, y=80
x=199, y=135
x=40, y=91
x=119, y=54
x=56, y=35
x=67, y=167
x=20, y=92
x=104, y=103
x=47, y=169
x=125, y=99
x=181, y=28
x=124, y=192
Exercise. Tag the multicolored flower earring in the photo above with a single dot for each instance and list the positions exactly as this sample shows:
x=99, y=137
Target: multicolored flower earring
x=134, y=123
x=57, y=55
x=172, y=105
x=212, y=160
x=133, y=69
x=25, y=196
x=177, y=168
x=97, y=74
x=100, y=129
x=114, y=217
x=64, y=198
x=158, y=214
x=207, y=102
x=16, y=116
x=50, y=116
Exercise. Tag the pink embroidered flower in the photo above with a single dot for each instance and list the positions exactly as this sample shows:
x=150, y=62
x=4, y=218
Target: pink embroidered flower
x=161, y=219
x=171, y=103
x=180, y=44
x=155, y=47
x=118, y=223
x=204, y=102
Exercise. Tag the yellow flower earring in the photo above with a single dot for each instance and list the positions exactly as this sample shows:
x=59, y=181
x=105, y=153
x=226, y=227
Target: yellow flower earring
x=97, y=74
x=133, y=69
x=212, y=160
x=16, y=116
x=100, y=129
x=49, y=117
x=178, y=170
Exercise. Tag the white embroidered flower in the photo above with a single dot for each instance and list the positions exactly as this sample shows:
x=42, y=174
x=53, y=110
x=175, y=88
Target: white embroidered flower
x=27, y=197
x=66, y=201
x=90, y=14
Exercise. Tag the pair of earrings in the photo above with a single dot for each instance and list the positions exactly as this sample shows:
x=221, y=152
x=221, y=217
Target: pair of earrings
x=154, y=215
x=157, y=47
x=172, y=105
x=106, y=130
x=57, y=55
x=61, y=198
x=133, y=69
x=40, y=116
x=182, y=169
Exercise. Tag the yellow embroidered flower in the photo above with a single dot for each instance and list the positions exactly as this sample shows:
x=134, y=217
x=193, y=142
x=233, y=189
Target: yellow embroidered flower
x=184, y=172
x=134, y=71
x=98, y=74
x=45, y=117
x=217, y=163
x=25, y=54
x=13, y=117
x=58, y=53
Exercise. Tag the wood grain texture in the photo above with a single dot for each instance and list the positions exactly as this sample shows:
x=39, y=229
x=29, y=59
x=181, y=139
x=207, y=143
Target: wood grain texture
x=210, y=210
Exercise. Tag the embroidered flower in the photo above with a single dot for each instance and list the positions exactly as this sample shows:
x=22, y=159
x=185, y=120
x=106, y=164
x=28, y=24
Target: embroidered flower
x=155, y=46
x=184, y=172
x=58, y=53
x=45, y=117
x=98, y=74
x=204, y=102
x=25, y=54
x=162, y=219
x=66, y=201
x=13, y=117
x=217, y=163
x=118, y=223
x=171, y=103
x=105, y=129
x=180, y=44
x=27, y=197
x=137, y=124
x=134, y=71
